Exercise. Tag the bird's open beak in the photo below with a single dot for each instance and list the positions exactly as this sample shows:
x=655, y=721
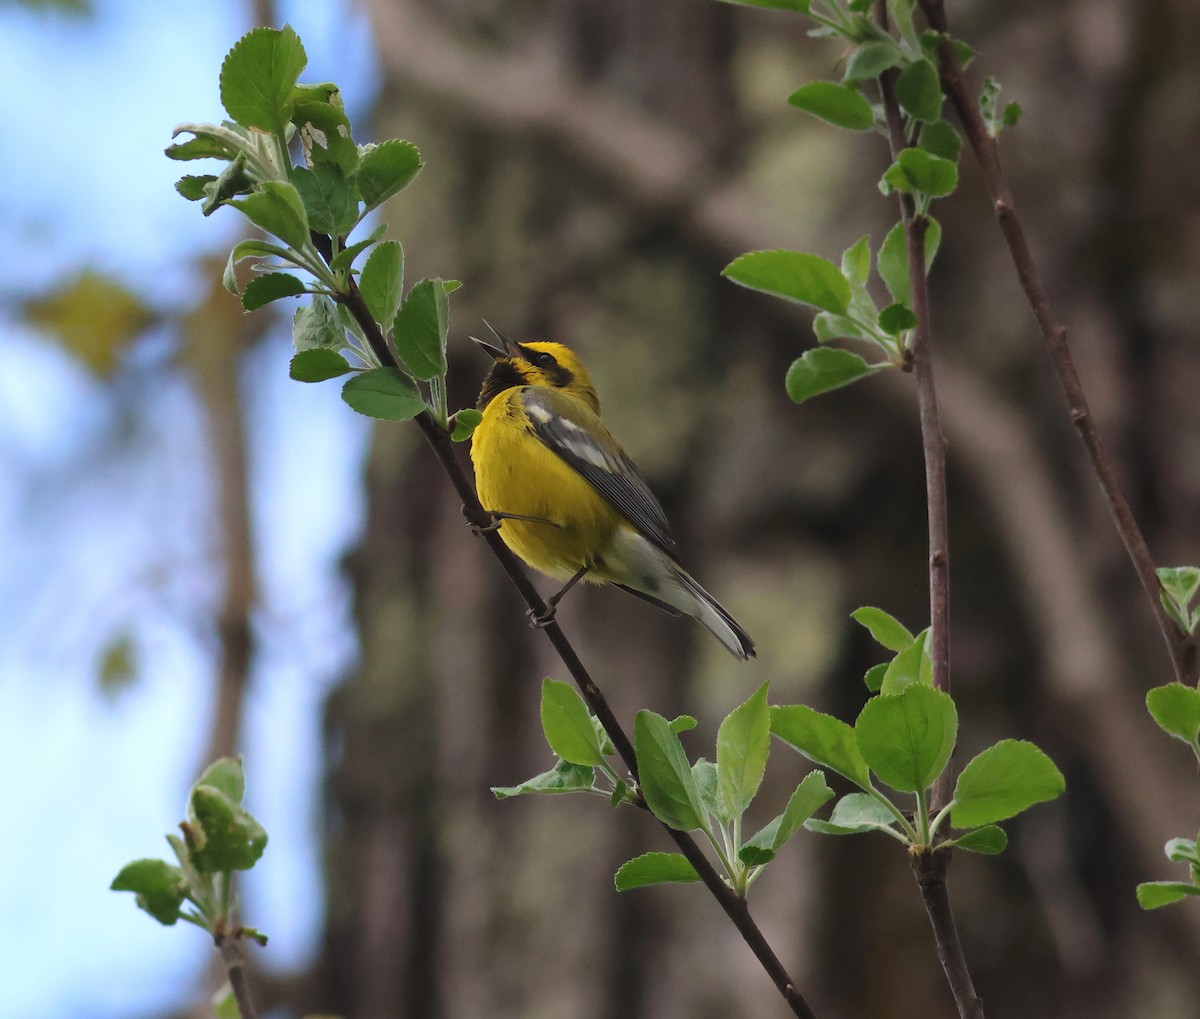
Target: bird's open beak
x=508, y=348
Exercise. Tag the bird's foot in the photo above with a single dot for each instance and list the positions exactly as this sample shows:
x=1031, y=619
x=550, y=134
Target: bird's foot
x=539, y=619
x=498, y=517
x=478, y=529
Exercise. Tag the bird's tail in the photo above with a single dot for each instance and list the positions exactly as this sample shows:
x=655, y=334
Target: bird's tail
x=709, y=612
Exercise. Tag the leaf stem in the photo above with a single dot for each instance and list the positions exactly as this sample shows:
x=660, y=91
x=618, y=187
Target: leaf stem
x=1181, y=647
x=937, y=821
x=439, y=440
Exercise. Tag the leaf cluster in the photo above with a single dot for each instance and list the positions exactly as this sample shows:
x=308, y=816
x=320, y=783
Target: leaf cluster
x=313, y=210
x=218, y=838
x=925, y=169
x=702, y=796
x=903, y=737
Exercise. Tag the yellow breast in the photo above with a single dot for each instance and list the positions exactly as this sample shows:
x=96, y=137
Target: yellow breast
x=516, y=473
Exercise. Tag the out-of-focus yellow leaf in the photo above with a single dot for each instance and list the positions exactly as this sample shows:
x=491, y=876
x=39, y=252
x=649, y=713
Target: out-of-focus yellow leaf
x=94, y=317
x=118, y=666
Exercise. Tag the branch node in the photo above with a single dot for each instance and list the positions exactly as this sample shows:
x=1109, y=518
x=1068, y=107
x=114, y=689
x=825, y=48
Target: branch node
x=1003, y=209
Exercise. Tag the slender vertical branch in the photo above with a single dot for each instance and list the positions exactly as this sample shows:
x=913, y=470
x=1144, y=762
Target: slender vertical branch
x=735, y=906
x=235, y=968
x=930, y=865
x=933, y=442
x=1181, y=648
x=930, y=871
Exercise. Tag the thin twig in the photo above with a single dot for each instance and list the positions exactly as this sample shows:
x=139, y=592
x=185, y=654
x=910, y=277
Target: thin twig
x=930, y=866
x=930, y=871
x=1181, y=648
x=235, y=967
x=439, y=439
x=933, y=442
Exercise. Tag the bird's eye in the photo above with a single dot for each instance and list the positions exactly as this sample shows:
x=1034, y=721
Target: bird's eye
x=544, y=359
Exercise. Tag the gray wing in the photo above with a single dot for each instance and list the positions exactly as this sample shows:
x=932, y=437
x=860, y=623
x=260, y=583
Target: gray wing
x=571, y=430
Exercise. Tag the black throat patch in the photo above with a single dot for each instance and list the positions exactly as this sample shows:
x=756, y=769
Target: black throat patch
x=503, y=375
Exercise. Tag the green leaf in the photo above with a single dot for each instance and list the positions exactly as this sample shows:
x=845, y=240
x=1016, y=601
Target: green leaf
x=654, y=869
x=270, y=287
x=856, y=261
x=906, y=738
x=810, y=795
x=226, y=775
x=897, y=318
x=664, y=773
x=1181, y=616
x=382, y=282
x=743, y=742
x=919, y=172
x=873, y=677
x=885, y=628
x=318, y=364
x=853, y=814
x=1180, y=582
x=988, y=839
x=823, y=369
x=324, y=132
x=191, y=185
x=1002, y=781
x=421, y=327
x=919, y=91
x=841, y=105
x=1176, y=709
x=871, y=59
x=278, y=209
x=568, y=725
x=317, y=324
x=989, y=107
x=233, y=181
x=1182, y=851
x=941, y=139
x=564, y=777
x=908, y=667
x=892, y=261
x=384, y=393
x=465, y=423
x=682, y=723
x=329, y=200
x=384, y=169
x=159, y=887
x=202, y=146
x=250, y=248
x=821, y=738
x=704, y=775
x=224, y=1004
x=257, y=77
x=1153, y=894
x=228, y=837
x=345, y=258
x=793, y=275
x=827, y=326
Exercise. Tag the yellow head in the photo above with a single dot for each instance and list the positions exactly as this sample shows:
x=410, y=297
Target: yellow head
x=535, y=364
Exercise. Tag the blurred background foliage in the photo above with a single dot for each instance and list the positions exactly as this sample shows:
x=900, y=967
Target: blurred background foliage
x=218, y=560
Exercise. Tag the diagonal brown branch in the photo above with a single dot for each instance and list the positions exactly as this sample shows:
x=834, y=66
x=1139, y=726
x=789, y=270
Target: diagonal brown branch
x=1182, y=649
x=735, y=906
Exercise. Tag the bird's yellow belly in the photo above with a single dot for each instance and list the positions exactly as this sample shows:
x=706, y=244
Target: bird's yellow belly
x=516, y=473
